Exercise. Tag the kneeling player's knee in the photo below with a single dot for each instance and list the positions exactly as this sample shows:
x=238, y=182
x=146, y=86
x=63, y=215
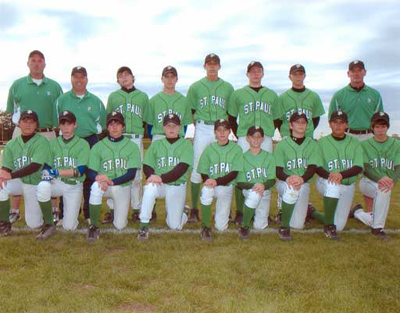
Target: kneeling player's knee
x=332, y=191
x=207, y=195
x=96, y=194
x=290, y=196
x=195, y=178
x=43, y=191
x=253, y=199
x=3, y=195
x=150, y=190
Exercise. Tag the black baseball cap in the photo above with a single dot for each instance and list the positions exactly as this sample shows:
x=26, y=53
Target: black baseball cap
x=169, y=69
x=171, y=118
x=79, y=69
x=338, y=115
x=297, y=68
x=115, y=116
x=222, y=122
x=255, y=129
x=355, y=63
x=124, y=69
x=212, y=57
x=254, y=64
x=29, y=114
x=380, y=117
x=296, y=116
x=66, y=116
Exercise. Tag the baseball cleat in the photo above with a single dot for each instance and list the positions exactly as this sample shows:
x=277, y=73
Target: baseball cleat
x=135, y=216
x=244, y=233
x=194, y=216
x=14, y=216
x=284, y=234
x=330, y=232
x=378, y=232
x=56, y=216
x=206, y=234
x=46, y=232
x=143, y=234
x=357, y=207
x=93, y=234
x=59, y=223
x=108, y=218
x=238, y=219
x=5, y=228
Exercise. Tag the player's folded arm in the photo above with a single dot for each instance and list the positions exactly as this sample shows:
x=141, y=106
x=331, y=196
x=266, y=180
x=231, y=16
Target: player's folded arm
x=322, y=172
x=309, y=173
x=27, y=170
x=354, y=171
x=225, y=180
x=280, y=174
x=128, y=176
x=148, y=170
x=371, y=173
x=177, y=172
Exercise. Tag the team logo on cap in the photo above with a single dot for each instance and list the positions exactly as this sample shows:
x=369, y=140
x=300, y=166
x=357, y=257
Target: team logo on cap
x=29, y=112
x=221, y=120
x=65, y=113
x=339, y=112
x=252, y=63
x=355, y=62
x=114, y=113
x=382, y=113
x=78, y=67
x=298, y=65
x=257, y=127
x=212, y=55
x=171, y=116
x=169, y=67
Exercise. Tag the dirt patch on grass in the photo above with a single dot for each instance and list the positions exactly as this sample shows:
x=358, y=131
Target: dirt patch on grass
x=137, y=307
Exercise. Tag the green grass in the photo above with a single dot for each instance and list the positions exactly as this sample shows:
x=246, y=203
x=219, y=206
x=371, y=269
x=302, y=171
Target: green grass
x=177, y=272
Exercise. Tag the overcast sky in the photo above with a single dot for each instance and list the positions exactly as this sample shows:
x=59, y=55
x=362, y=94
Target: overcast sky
x=324, y=36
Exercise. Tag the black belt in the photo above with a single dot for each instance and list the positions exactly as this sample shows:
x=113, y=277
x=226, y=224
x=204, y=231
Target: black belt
x=44, y=130
x=359, y=132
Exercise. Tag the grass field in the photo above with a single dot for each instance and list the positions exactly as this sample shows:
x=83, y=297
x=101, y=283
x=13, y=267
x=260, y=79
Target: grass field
x=177, y=272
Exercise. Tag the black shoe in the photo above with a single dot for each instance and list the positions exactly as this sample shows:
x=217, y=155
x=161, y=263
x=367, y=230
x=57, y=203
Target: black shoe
x=153, y=217
x=143, y=234
x=135, y=216
x=108, y=218
x=358, y=206
x=206, y=234
x=5, y=228
x=93, y=234
x=238, y=219
x=46, y=232
x=310, y=210
x=14, y=216
x=244, y=233
x=284, y=234
x=378, y=232
x=330, y=232
x=194, y=216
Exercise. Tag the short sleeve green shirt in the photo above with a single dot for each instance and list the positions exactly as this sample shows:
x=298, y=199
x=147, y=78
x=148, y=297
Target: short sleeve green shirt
x=114, y=158
x=17, y=155
x=132, y=106
x=25, y=95
x=163, y=157
x=254, y=108
x=257, y=168
x=162, y=104
x=307, y=102
x=218, y=161
x=210, y=99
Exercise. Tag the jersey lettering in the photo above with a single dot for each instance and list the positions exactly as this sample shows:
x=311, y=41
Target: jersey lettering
x=382, y=163
x=296, y=164
x=130, y=108
x=160, y=116
x=65, y=162
x=167, y=162
x=257, y=106
x=343, y=164
x=218, y=168
x=307, y=112
x=22, y=161
x=255, y=173
x=214, y=100
x=115, y=164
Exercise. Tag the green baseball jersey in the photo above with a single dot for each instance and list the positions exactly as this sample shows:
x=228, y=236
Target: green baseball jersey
x=17, y=155
x=254, y=108
x=218, y=161
x=359, y=106
x=132, y=106
x=89, y=111
x=114, y=158
x=25, y=95
x=294, y=158
x=307, y=102
x=382, y=156
x=162, y=104
x=164, y=157
x=257, y=168
x=340, y=155
x=69, y=155
x=210, y=99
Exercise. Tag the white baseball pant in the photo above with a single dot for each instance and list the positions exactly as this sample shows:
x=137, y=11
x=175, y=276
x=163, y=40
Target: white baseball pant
x=266, y=145
x=380, y=207
x=203, y=136
x=175, y=197
x=261, y=205
x=222, y=205
x=121, y=198
x=345, y=195
x=72, y=199
x=33, y=213
x=297, y=197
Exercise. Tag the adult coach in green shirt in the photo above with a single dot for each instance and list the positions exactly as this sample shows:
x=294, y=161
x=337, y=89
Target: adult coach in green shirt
x=358, y=101
x=90, y=117
x=34, y=92
x=301, y=100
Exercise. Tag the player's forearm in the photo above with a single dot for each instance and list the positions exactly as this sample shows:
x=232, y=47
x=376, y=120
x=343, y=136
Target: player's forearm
x=354, y=171
x=225, y=180
x=370, y=173
x=148, y=170
x=204, y=177
x=128, y=176
x=233, y=123
x=322, y=172
x=280, y=174
x=309, y=173
x=245, y=186
x=73, y=172
x=269, y=184
x=91, y=174
x=278, y=124
x=175, y=173
x=27, y=170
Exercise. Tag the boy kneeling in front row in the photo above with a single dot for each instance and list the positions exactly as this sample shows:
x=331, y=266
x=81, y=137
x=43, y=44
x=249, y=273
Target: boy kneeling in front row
x=166, y=165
